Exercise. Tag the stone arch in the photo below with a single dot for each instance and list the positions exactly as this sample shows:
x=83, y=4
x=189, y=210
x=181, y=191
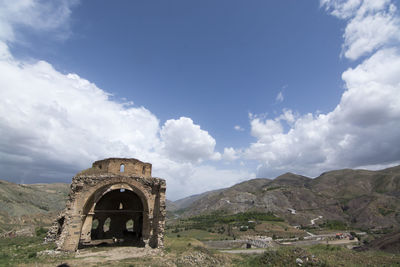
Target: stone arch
x=108, y=208
x=96, y=192
x=86, y=202
x=90, y=185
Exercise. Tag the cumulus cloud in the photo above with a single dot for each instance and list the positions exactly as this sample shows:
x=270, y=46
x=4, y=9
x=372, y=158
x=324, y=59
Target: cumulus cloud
x=363, y=129
x=230, y=154
x=372, y=24
x=188, y=179
x=184, y=140
x=54, y=124
x=36, y=15
x=47, y=116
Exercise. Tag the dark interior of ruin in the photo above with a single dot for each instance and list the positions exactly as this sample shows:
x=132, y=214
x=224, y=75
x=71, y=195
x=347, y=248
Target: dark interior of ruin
x=118, y=219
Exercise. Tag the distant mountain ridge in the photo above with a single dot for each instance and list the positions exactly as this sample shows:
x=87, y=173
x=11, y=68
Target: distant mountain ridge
x=361, y=198
x=185, y=202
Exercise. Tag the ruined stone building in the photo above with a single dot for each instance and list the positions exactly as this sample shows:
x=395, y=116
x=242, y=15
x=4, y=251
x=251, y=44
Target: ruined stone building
x=115, y=201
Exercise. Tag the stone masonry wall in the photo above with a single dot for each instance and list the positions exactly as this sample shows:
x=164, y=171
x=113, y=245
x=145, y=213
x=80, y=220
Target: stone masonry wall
x=74, y=224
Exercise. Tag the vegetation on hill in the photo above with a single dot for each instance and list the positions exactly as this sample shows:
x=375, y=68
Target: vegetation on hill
x=355, y=198
x=335, y=201
x=242, y=217
x=24, y=205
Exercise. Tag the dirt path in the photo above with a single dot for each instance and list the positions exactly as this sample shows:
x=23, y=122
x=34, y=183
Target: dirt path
x=114, y=254
x=342, y=241
x=313, y=220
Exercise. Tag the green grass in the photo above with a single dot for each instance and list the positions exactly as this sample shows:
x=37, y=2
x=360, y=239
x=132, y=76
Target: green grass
x=205, y=222
x=318, y=255
x=217, y=217
x=23, y=250
x=181, y=244
x=201, y=235
x=280, y=257
x=341, y=256
x=334, y=225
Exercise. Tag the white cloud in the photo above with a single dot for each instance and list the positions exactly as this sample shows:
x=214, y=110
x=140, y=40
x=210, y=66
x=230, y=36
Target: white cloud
x=364, y=128
x=279, y=97
x=55, y=118
x=56, y=124
x=230, y=154
x=265, y=129
x=53, y=124
x=199, y=179
x=184, y=140
x=38, y=15
x=373, y=24
x=238, y=128
x=341, y=9
x=362, y=131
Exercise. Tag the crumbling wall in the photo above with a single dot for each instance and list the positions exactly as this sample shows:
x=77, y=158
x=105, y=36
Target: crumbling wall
x=73, y=226
x=128, y=166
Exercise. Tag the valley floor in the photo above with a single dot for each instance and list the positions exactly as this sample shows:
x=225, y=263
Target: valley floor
x=188, y=251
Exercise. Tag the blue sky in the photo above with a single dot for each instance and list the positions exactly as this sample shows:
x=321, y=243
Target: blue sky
x=222, y=91
x=212, y=62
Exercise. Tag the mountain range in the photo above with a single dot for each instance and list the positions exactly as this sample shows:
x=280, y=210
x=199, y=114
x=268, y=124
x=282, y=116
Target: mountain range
x=359, y=198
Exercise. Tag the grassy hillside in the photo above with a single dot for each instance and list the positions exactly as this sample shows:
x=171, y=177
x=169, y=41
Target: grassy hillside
x=22, y=205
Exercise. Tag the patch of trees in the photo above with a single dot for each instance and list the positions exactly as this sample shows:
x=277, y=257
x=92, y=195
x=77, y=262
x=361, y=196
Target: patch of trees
x=248, y=219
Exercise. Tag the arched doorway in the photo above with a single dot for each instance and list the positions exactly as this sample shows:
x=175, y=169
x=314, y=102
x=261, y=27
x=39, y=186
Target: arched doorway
x=118, y=219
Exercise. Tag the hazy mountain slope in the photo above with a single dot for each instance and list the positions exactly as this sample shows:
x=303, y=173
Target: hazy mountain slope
x=23, y=204
x=358, y=197
x=170, y=205
x=187, y=201
x=234, y=199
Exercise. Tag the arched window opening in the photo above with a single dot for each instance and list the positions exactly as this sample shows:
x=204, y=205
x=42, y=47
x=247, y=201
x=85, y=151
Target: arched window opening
x=60, y=225
x=95, y=224
x=130, y=225
x=118, y=216
x=143, y=170
x=100, y=166
x=122, y=168
x=106, y=226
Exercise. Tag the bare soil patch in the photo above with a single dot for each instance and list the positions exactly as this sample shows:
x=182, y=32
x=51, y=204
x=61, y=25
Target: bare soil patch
x=116, y=254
